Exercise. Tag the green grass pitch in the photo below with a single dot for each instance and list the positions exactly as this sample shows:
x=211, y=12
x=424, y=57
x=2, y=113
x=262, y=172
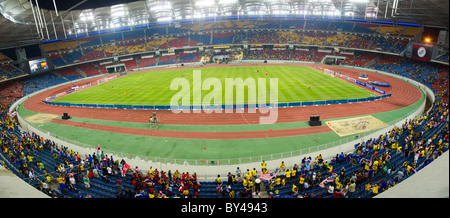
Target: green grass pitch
x=153, y=88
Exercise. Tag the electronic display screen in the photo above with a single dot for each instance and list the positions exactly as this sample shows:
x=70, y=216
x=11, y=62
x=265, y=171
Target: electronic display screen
x=418, y=51
x=39, y=65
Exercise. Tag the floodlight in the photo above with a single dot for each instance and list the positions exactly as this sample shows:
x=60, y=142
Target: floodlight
x=162, y=19
x=359, y=1
x=226, y=2
x=204, y=3
x=161, y=7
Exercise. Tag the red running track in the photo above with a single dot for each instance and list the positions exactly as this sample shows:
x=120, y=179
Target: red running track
x=198, y=135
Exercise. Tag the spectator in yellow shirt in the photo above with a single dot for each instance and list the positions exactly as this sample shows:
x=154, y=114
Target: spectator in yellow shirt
x=250, y=184
x=368, y=187
x=60, y=179
x=254, y=173
x=287, y=174
x=301, y=181
x=294, y=189
x=375, y=189
x=244, y=182
x=264, y=167
x=218, y=181
x=282, y=166
x=277, y=181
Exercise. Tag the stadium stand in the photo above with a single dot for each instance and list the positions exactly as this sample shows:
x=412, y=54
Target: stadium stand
x=88, y=69
x=9, y=71
x=443, y=57
x=145, y=62
x=9, y=92
x=319, y=33
x=4, y=58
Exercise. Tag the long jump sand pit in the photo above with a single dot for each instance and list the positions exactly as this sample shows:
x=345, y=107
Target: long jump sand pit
x=355, y=125
x=41, y=118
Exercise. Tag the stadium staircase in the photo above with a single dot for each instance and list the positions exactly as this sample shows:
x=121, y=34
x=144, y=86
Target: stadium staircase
x=80, y=71
x=372, y=61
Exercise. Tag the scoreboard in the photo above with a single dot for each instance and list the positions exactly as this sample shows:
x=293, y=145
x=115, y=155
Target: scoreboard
x=39, y=65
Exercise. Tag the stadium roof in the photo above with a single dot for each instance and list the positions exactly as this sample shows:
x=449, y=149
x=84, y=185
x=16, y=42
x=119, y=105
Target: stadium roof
x=21, y=25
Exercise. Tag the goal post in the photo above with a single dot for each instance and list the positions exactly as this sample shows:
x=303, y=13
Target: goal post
x=329, y=72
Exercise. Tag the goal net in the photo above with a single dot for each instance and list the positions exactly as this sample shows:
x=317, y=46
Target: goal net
x=196, y=64
x=329, y=72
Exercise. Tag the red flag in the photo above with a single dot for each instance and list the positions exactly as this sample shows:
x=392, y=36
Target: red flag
x=125, y=168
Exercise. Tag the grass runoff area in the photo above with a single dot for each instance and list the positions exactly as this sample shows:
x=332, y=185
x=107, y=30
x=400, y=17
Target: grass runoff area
x=295, y=84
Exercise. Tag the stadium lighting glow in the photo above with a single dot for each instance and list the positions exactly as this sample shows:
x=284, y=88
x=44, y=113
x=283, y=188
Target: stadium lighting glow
x=204, y=3
x=279, y=12
x=427, y=40
x=162, y=19
x=118, y=10
x=349, y=13
x=274, y=1
x=254, y=12
x=86, y=15
x=319, y=1
x=162, y=7
x=359, y=1
x=226, y=2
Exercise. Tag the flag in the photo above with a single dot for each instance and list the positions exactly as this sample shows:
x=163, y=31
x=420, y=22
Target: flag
x=268, y=176
x=125, y=168
x=327, y=180
x=97, y=147
x=12, y=114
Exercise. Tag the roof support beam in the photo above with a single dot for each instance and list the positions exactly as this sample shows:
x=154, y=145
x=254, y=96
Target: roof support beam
x=67, y=11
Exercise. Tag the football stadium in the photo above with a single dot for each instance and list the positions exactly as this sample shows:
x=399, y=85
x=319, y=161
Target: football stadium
x=224, y=99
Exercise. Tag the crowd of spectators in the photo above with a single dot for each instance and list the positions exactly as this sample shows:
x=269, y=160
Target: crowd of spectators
x=8, y=71
x=443, y=57
x=375, y=165
x=318, y=33
x=424, y=72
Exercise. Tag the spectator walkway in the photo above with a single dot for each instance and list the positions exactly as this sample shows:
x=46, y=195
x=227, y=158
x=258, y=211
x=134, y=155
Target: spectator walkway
x=11, y=186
